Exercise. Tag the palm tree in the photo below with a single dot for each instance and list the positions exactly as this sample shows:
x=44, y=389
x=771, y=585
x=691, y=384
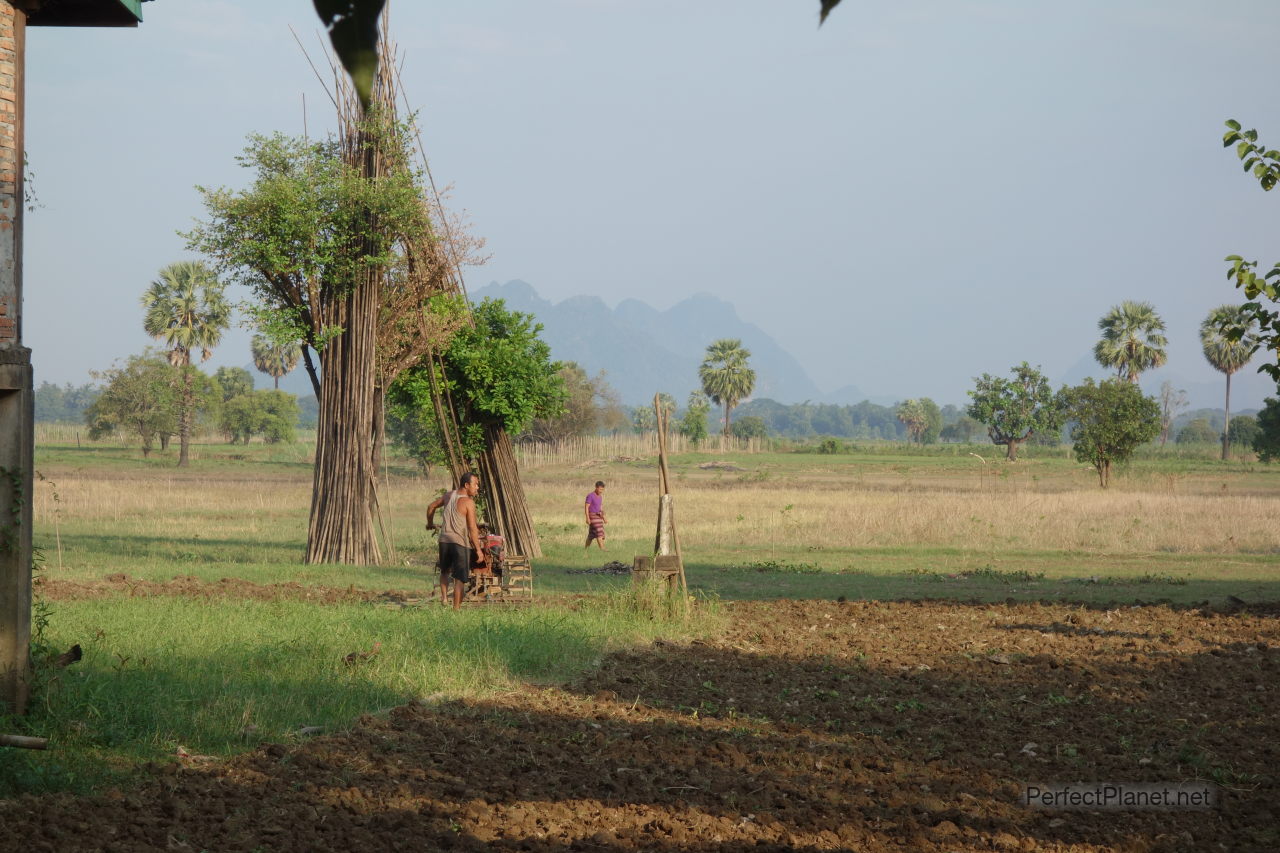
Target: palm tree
x=186, y=310
x=1226, y=335
x=725, y=376
x=913, y=416
x=1132, y=339
x=272, y=358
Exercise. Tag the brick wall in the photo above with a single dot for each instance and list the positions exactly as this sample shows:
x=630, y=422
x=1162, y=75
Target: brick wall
x=9, y=165
x=12, y=23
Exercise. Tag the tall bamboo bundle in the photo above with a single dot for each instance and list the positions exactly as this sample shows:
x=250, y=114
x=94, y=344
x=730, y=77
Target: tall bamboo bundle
x=406, y=331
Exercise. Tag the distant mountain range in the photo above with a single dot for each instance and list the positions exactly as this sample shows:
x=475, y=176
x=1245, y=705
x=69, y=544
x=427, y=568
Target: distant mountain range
x=643, y=350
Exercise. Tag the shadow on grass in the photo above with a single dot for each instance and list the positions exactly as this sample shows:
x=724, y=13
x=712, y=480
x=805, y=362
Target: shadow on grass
x=182, y=551
x=216, y=678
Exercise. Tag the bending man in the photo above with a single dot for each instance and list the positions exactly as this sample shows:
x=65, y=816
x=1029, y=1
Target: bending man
x=458, y=536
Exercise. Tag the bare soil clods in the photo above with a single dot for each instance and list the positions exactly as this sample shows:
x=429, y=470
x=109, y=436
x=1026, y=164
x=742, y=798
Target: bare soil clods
x=807, y=725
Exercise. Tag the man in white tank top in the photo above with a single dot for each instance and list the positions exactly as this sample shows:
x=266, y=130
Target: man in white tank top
x=459, y=534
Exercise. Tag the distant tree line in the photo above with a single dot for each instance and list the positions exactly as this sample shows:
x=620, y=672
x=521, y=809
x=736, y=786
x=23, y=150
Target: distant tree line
x=865, y=420
x=144, y=398
x=64, y=403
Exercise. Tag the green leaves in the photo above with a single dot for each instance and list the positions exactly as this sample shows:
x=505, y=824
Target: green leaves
x=725, y=375
x=1110, y=420
x=304, y=231
x=1015, y=409
x=1262, y=162
x=498, y=371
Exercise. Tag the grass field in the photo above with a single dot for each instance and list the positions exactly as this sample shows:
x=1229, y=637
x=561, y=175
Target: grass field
x=212, y=675
x=759, y=525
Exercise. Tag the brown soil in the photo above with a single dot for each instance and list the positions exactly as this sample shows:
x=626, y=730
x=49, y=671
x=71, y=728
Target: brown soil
x=807, y=725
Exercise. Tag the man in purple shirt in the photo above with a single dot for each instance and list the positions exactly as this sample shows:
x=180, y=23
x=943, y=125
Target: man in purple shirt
x=594, y=509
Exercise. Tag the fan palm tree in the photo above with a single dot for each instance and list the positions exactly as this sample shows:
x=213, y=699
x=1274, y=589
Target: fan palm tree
x=186, y=311
x=1132, y=339
x=913, y=416
x=272, y=358
x=726, y=378
x=1226, y=335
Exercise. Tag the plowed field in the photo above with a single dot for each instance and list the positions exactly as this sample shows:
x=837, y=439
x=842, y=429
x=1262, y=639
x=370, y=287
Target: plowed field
x=805, y=725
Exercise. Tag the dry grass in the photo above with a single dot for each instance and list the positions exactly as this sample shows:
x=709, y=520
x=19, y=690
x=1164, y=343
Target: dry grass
x=777, y=504
x=589, y=451
x=797, y=508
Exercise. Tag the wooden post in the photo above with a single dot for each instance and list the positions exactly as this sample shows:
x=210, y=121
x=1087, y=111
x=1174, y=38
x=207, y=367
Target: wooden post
x=667, y=541
x=17, y=400
x=23, y=742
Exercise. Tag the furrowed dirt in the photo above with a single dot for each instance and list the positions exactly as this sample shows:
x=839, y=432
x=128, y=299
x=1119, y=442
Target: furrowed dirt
x=806, y=725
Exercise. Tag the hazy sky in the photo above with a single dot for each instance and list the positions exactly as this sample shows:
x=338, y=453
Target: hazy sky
x=918, y=192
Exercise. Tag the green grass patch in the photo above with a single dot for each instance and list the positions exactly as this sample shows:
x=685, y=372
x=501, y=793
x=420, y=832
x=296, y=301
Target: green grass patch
x=215, y=679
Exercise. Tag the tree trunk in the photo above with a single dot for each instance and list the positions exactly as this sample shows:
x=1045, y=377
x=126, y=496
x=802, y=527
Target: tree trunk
x=184, y=417
x=341, y=528
x=1011, y=450
x=1226, y=425
x=727, y=408
x=311, y=370
x=1104, y=472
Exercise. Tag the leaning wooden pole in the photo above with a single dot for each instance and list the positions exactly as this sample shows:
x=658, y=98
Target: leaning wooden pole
x=505, y=496
x=667, y=540
x=23, y=742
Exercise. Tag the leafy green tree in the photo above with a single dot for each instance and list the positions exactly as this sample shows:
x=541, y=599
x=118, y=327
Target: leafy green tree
x=233, y=381
x=643, y=419
x=962, y=430
x=1264, y=164
x=240, y=418
x=1198, y=431
x=932, y=421
x=1267, y=442
x=1109, y=421
x=319, y=238
x=498, y=374
x=280, y=415
x=501, y=370
x=1243, y=430
x=411, y=420
x=1015, y=409
x=914, y=418
x=693, y=424
x=1132, y=341
x=726, y=376
x=750, y=426
x=1227, y=339
x=590, y=406
x=299, y=238
x=187, y=311
x=139, y=397
x=273, y=359
x=271, y=414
